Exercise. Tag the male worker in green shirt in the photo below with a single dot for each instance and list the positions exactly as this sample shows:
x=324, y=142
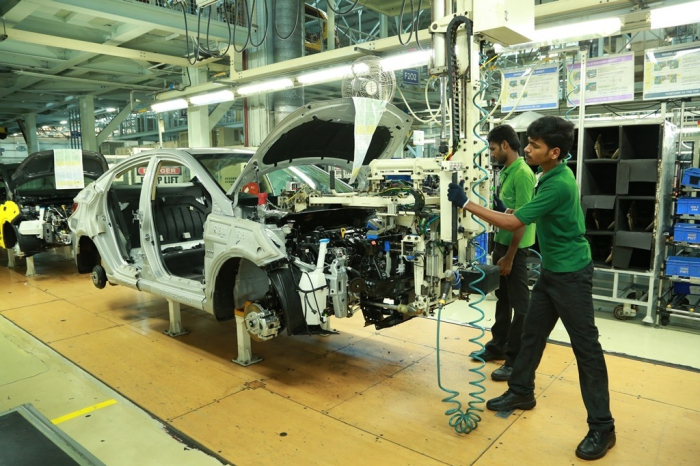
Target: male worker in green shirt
x=510, y=253
x=565, y=287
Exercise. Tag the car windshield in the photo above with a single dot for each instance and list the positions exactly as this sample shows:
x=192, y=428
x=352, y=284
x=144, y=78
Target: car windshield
x=226, y=168
x=44, y=186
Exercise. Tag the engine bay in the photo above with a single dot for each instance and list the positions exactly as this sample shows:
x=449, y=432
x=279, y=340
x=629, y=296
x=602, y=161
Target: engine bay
x=381, y=251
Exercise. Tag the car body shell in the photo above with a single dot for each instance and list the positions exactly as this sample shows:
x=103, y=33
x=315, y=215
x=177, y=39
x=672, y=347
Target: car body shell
x=230, y=234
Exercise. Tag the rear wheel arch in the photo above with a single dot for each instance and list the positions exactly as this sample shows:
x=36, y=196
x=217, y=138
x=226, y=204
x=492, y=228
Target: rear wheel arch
x=86, y=255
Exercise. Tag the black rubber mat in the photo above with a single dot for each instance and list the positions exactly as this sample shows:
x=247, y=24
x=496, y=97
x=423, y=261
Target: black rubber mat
x=29, y=439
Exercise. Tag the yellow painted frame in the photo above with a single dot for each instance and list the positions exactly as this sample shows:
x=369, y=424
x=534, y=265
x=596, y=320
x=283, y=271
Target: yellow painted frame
x=8, y=212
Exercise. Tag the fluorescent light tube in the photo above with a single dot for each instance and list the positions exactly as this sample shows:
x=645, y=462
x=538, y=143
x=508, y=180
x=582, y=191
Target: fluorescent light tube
x=677, y=15
x=406, y=60
x=329, y=74
x=212, y=98
x=169, y=105
x=276, y=85
x=595, y=28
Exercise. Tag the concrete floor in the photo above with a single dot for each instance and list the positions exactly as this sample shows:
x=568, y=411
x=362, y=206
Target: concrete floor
x=361, y=397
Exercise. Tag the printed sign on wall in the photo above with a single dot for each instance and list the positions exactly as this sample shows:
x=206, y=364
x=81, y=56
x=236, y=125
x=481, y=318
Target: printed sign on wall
x=671, y=72
x=608, y=79
x=542, y=90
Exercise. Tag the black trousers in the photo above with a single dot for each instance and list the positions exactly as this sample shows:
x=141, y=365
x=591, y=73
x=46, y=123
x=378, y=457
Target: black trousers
x=569, y=297
x=513, y=299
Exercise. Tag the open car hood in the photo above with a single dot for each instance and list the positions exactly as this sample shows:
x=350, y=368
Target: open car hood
x=324, y=133
x=40, y=164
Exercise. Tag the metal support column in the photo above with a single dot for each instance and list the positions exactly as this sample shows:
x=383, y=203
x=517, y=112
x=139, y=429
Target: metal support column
x=11, y=259
x=31, y=271
x=289, y=18
x=175, y=329
x=30, y=133
x=74, y=126
x=583, y=52
x=87, y=123
x=330, y=26
x=198, y=129
x=245, y=351
x=257, y=115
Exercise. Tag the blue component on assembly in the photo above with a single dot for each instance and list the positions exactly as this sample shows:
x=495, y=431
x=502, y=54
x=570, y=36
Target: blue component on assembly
x=325, y=240
x=371, y=227
x=372, y=236
x=456, y=280
x=387, y=246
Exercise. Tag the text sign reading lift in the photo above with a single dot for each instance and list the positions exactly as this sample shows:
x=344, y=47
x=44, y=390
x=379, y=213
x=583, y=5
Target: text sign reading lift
x=166, y=175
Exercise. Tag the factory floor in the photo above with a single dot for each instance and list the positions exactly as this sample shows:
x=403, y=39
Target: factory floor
x=97, y=362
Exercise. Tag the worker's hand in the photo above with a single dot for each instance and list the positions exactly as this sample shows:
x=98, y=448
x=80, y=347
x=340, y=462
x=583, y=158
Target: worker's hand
x=456, y=194
x=506, y=265
x=498, y=204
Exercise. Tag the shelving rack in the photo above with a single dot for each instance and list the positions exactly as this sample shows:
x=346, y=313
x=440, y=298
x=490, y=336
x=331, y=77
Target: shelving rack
x=624, y=173
x=679, y=296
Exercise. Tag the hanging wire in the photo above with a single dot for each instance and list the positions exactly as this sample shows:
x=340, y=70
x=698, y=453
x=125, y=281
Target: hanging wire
x=228, y=24
x=296, y=20
x=204, y=47
x=343, y=13
x=235, y=23
x=267, y=25
x=416, y=24
x=187, y=36
x=433, y=116
x=574, y=88
x=400, y=31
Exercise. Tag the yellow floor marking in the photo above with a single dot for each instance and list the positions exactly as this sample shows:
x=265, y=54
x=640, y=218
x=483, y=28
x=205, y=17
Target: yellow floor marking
x=89, y=409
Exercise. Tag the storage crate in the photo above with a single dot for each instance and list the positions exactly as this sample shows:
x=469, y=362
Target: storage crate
x=683, y=266
x=483, y=241
x=688, y=205
x=688, y=232
x=691, y=177
x=686, y=288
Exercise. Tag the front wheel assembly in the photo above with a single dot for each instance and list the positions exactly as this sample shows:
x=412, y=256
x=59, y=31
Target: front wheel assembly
x=99, y=277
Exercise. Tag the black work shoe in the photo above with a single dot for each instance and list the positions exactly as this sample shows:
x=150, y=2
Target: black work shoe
x=509, y=401
x=596, y=444
x=502, y=374
x=486, y=356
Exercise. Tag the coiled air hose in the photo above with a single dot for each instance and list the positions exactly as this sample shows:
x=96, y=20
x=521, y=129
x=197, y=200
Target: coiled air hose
x=465, y=421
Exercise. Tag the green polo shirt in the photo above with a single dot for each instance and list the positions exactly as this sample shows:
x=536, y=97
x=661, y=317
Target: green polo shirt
x=517, y=189
x=556, y=208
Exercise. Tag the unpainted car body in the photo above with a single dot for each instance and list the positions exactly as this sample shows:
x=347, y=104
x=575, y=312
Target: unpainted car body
x=34, y=214
x=188, y=231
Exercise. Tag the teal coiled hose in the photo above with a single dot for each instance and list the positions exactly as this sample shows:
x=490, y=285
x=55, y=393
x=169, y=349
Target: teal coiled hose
x=460, y=420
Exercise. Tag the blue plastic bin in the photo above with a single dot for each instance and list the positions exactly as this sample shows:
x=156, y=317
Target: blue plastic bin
x=683, y=266
x=691, y=177
x=483, y=241
x=686, y=288
x=688, y=232
x=688, y=205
